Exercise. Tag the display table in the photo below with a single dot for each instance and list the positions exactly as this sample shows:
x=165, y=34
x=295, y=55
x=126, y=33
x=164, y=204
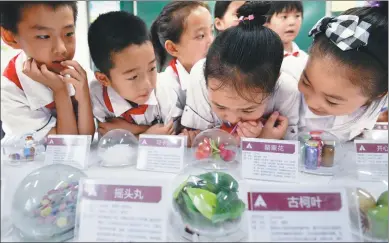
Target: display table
x=13, y=175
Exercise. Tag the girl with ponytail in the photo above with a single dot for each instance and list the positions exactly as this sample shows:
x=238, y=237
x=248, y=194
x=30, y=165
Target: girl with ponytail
x=183, y=33
x=239, y=86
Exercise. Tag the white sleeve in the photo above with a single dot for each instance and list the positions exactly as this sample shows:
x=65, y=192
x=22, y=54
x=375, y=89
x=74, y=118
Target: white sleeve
x=17, y=117
x=169, y=101
x=197, y=112
x=287, y=102
x=98, y=106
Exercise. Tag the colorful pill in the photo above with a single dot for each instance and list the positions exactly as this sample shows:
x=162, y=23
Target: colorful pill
x=46, y=212
x=45, y=202
x=62, y=222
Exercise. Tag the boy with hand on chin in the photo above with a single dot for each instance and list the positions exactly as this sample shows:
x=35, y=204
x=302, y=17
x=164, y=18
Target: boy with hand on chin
x=43, y=91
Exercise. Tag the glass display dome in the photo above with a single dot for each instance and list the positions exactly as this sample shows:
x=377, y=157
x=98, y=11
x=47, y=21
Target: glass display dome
x=118, y=148
x=44, y=204
x=215, y=147
x=207, y=205
x=320, y=152
x=17, y=150
x=368, y=196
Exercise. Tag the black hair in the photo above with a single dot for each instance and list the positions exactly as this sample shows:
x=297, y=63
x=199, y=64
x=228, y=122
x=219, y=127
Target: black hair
x=11, y=11
x=246, y=57
x=111, y=33
x=277, y=7
x=368, y=63
x=221, y=8
x=169, y=25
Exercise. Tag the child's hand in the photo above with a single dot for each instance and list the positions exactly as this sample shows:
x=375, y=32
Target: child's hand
x=113, y=123
x=249, y=129
x=191, y=134
x=78, y=78
x=275, y=127
x=160, y=129
x=43, y=75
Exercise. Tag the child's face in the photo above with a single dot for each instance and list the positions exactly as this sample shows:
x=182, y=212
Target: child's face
x=134, y=73
x=196, y=37
x=47, y=35
x=230, y=18
x=327, y=89
x=286, y=24
x=230, y=107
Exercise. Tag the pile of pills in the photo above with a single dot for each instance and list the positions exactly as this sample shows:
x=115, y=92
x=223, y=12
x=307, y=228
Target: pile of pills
x=58, y=206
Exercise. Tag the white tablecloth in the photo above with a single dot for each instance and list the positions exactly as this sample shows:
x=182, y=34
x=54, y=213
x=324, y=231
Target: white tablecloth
x=13, y=175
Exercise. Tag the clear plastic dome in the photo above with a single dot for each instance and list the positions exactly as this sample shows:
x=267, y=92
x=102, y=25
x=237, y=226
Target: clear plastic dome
x=44, y=204
x=368, y=197
x=118, y=148
x=320, y=152
x=17, y=150
x=207, y=206
x=215, y=146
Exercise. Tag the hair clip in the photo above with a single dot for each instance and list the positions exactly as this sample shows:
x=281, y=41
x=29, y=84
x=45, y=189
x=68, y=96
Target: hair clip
x=250, y=17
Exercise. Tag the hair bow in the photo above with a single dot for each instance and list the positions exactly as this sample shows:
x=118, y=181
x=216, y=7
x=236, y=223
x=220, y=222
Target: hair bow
x=250, y=17
x=344, y=31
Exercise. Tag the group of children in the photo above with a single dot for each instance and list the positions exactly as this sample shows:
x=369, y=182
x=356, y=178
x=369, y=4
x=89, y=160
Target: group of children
x=250, y=79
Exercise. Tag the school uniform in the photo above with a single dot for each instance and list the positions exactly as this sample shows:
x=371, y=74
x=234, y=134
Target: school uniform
x=294, y=62
x=27, y=106
x=162, y=105
x=176, y=75
x=198, y=114
x=346, y=127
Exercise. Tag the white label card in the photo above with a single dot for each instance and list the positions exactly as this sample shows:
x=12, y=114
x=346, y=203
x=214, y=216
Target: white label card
x=161, y=153
x=298, y=215
x=372, y=156
x=268, y=159
x=68, y=149
x=121, y=211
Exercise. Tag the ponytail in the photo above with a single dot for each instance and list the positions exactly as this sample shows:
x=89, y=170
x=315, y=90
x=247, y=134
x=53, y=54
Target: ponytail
x=247, y=57
x=159, y=49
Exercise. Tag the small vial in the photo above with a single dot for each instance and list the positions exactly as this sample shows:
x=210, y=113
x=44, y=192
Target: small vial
x=328, y=154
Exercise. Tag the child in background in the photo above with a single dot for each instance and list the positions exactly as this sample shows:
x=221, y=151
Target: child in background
x=225, y=14
x=183, y=30
x=345, y=82
x=241, y=84
x=127, y=94
x=285, y=18
x=43, y=91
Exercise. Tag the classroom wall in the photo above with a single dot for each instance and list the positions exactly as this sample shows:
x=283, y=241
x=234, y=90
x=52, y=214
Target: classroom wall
x=313, y=11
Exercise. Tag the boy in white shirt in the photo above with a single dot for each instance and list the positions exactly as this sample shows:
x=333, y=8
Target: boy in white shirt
x=285, y=18
x=127, y=94
x=40, y=94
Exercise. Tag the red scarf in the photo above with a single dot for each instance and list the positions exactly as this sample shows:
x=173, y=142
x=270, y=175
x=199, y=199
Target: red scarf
x=140, y=110
x=295, y=54
x=10, y=73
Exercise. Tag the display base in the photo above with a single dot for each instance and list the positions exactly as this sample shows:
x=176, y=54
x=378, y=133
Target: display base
x=180, y=233
x=324, y=171
x=19, y=236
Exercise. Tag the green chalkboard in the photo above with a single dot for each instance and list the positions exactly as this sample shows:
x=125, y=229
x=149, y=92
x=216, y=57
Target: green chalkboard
x=149, y=10
x=313, y=11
